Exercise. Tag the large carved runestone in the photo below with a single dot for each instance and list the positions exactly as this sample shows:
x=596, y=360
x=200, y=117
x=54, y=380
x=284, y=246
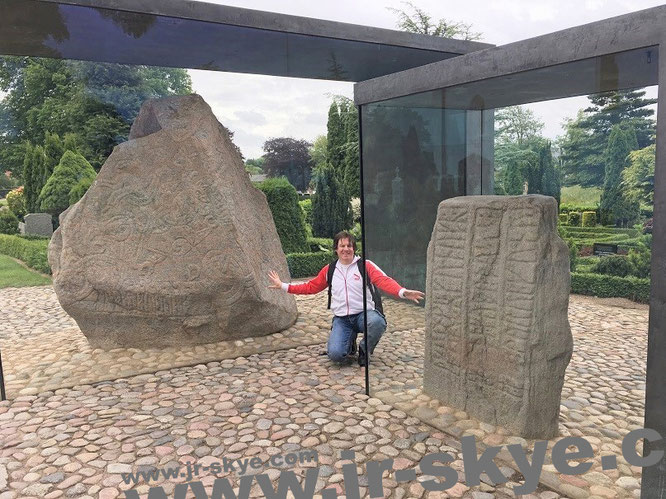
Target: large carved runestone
x=497, y=333
x=172, y=244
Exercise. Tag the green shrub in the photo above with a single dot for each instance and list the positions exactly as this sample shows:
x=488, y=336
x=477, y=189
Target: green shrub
x=8, y=222
x=308, y=264
x=574, y=218
x=569, y=207
x=331, y=209
x=564, y=218
x=16, y=202
x=639, y=261
x=589, y=218
x=639, y=257
x=80, y=189
x=320, y=244
x=606, y=286
x=306, y=206
x=54, y=197
x=33, y=252
x=573, y=248
x=616, y=265
x=287, y=214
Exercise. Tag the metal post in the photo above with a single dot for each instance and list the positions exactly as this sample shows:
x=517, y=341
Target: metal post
x=653, y=484
x=3, y=394
x=365, y=292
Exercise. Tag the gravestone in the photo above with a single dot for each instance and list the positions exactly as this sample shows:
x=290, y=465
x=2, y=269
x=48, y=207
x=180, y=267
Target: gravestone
x=171, y=245
x=37, y=224
x=497, y=333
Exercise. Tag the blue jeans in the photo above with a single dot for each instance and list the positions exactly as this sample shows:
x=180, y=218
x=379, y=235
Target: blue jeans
x=344, y=331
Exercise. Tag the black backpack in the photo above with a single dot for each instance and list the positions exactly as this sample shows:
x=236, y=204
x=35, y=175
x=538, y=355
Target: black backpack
x=374, y=292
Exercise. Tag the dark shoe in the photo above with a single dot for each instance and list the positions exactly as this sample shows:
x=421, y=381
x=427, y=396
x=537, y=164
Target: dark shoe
x=353, y=349
x=362, y=360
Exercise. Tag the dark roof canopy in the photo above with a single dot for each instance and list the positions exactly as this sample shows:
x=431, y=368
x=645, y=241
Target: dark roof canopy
x=196, y=35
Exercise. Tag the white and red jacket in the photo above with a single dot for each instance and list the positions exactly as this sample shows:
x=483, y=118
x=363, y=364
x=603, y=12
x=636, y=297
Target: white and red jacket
x=347, y=287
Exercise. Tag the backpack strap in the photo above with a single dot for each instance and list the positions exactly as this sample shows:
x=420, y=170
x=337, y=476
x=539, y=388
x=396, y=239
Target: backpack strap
x=374, y=292
x=329, y=279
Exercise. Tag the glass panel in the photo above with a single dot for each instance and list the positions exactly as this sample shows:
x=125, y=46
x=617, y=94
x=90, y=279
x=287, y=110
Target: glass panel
x=74, y=32
x=426, y=147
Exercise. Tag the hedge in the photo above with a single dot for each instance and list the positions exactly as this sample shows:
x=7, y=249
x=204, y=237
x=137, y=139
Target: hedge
x=589, y=218
x=567, y=208
x=564, y=218
x=287, y=214
x=315, y=242
x=605, y=286
x=601, y=230
x=31, y=252
x=308, y=264
x=574, y=219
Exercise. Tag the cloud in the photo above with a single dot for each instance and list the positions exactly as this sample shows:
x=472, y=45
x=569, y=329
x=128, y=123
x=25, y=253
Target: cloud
x=257, y=107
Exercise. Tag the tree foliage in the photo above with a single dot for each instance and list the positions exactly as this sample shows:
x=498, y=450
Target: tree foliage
x=352, y=164
x=331, y=209
x=584, y=142
x=95, y=102
x=55, y=195
x=638, y=176
x=336, y=139
x=290, y=158
x=615, y=207
x=419, y=21
x=523, y=155
x=287, y=214
x=517, y=124
x=318, y=151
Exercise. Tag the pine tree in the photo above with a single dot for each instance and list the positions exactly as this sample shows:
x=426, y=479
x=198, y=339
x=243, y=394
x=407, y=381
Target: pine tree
x=550, y=175
x=336, y=140
x=55, y=195
x=352, y=176
x=53, y=151
x=513, y=179
x=331, y=210
x=33, y=171
x=586, y=137
x=616, y=208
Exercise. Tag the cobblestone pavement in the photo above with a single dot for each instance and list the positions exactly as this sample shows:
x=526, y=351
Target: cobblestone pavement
x=77, y=442
x=187, y=412
x=602, y=398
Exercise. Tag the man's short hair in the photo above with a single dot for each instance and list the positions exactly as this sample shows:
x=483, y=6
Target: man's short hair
x=344, y=235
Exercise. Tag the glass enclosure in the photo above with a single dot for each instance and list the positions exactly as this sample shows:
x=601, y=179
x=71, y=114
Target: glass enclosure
x=423, y=148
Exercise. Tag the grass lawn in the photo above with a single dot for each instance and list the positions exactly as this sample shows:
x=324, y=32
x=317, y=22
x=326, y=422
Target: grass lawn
x=582, y=196
x=15, y=275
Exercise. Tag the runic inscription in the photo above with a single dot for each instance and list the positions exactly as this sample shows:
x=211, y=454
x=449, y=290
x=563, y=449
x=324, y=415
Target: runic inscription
x=171, y=245
x=497, y=334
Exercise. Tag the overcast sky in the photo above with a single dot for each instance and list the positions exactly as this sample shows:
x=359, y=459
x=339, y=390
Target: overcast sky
x=257, y=108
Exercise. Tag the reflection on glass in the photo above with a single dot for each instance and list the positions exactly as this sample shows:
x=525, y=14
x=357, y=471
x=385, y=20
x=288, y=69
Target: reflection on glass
x=423, y=148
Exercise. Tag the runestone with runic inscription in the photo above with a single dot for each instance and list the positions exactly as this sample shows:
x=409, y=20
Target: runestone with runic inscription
x=172, y=244
x=498, y=339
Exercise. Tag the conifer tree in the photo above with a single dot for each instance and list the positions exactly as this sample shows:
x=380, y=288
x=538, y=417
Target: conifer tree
x=336, y=140
x=550, y=176
x=53, y=151
x=615, y=207
x=33, y=172
x=352, y=176
x=55, y=195
x=331, y=210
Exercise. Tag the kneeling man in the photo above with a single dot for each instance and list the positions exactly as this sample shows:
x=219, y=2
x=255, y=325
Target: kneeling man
x=345, y=282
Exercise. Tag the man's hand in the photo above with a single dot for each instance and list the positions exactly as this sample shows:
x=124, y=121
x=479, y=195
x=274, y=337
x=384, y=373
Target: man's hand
x=276, y=283
x=415, y=296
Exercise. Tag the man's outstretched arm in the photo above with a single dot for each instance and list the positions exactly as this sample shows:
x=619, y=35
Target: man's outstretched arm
x=390, y=285
x=311, y=287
